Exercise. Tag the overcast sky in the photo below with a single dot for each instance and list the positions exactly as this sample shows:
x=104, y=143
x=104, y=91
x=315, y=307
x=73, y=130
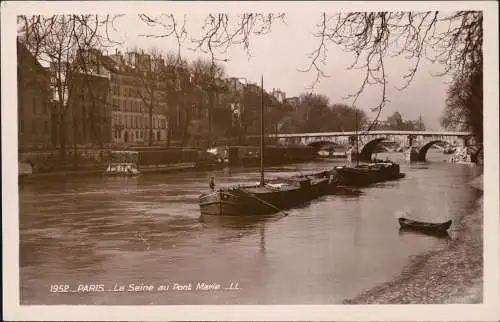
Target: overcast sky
x=279, y=54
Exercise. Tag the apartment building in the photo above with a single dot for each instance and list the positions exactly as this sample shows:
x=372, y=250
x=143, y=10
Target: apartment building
x=133, y=97
x=89, y=112
x=34, y=115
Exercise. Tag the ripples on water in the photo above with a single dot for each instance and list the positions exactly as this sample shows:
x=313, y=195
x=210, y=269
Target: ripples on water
x=147, y=230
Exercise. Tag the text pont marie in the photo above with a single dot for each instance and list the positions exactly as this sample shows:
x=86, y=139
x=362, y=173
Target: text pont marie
x=117, y=287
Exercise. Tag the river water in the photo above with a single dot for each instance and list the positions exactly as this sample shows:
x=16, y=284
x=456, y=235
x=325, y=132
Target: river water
x=112, y=232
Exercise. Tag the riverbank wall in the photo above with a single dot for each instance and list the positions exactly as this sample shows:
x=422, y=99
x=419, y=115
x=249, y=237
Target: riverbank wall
x=88, y=161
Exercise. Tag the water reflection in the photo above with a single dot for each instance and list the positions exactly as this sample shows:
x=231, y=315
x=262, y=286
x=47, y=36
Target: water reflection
x=234, y=228
x=439, y=234
x=346, y=192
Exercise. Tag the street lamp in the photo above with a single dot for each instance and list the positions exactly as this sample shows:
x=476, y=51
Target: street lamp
x=236, y=108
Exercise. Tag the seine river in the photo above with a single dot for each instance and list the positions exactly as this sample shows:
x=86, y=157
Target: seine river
x=91, y=238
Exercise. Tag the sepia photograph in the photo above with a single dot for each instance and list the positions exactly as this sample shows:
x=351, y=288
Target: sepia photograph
x=339, y=160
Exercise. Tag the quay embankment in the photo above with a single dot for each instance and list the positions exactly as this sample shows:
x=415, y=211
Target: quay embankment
x=452, y=274
x=87, y=162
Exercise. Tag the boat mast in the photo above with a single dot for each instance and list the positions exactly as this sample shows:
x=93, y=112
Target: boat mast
x=262, y=130
x=356, y=134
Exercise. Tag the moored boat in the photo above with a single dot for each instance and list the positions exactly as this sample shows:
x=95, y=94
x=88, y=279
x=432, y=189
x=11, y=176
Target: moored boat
x=366, y=174
x=428, y=227
x=273, y=196
x=266, y=197
x=122, y=169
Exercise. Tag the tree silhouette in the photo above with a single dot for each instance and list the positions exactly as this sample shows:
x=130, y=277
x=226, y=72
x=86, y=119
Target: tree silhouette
x=64, y=43
x=452, y=39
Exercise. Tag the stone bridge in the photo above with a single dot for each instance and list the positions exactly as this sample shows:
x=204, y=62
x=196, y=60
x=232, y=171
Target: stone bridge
x=421, y=141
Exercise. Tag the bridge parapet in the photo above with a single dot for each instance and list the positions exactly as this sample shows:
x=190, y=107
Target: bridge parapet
x=404, y=137
x=367, y=142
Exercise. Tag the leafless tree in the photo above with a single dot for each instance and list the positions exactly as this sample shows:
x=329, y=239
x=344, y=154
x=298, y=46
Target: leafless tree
x=207, y=82
x=452, y=39
x=464, y=104
x=219, y=32
x=59, y=41
x=146, y=70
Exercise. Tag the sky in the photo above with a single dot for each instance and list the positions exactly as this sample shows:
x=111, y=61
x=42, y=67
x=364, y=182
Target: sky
x=280, y=55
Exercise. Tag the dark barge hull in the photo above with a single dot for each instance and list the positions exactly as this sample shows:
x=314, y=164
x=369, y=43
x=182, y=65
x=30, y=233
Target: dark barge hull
x=252, y=201
x=366, y=175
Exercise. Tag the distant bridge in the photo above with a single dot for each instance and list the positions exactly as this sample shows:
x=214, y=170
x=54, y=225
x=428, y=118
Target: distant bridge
x=368, y=141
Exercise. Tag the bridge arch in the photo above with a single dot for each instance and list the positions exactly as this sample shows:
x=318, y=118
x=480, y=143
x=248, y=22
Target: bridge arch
x=422, y=152
x=368, y=148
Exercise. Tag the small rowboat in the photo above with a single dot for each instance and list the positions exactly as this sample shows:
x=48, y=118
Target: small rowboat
x=424, y=226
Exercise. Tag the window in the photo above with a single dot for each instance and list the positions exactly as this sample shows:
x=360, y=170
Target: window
x=33, y=127
x=34, y=105
x=158, y=135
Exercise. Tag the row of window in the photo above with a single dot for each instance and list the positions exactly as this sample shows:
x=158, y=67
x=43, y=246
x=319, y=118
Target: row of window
x=128, y=105
x=39, y=106
x=138, y=121
x=126, y=91
x=134, y=136
x=38, y=127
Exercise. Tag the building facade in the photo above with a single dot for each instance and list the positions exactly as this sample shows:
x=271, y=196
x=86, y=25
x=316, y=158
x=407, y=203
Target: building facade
x=138, y=102
x=34, y=116
x=89, y=111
